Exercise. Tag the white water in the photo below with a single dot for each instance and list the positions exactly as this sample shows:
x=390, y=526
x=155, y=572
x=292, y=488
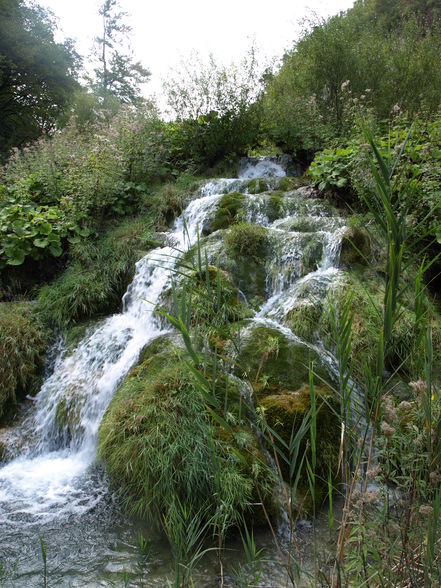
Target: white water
x=50, y=478
x=261, y=168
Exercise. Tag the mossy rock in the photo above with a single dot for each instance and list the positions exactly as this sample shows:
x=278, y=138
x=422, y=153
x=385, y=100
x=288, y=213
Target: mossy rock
x=355, y=247
x=312, y=254
x=284, y=413
x=67, y=419
x=275, y=364
x=229, y=211
x=364, y=292
x=247, y=240
x=23, y=342
x=257, y=185
x=215, y=302
x=304, y=319
x=288, y=184
x=160, y=445
x=274, y=208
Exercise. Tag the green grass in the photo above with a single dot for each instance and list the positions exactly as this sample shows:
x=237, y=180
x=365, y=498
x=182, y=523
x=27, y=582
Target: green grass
x=161, y=449
x=23, y=341
x=98, y=275
x=247, y=240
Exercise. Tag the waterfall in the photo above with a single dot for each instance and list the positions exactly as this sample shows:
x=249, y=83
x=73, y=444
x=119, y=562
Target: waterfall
x=53, y=479
x=48, y=478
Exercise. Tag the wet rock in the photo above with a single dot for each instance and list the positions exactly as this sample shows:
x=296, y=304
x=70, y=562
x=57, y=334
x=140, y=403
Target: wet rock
x=355, y=247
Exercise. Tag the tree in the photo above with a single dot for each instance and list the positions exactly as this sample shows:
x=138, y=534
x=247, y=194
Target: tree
x=117, y=74
x=37, y=75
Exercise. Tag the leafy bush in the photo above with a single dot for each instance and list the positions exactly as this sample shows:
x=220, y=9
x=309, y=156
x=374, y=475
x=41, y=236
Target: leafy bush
x=62, y=188
x=351, y=59
x=216, y=108
x=23, y=341
x=331, y=167
x=416, y=179
x=33, y=231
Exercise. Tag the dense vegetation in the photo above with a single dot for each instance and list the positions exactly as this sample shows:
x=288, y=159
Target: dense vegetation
x=356, y=102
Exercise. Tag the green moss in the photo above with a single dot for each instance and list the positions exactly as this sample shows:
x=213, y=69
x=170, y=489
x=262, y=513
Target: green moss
x=365, y=289
x=304, y=319
x=287, y=184
x=365, y=292
x=275, y=206
x=275, y=364
x=67, y=417
x=159, y=445
x=228, y=212
x=355, y=247
x=285, y=412
x=23, y=341
x=247, y=240
x=312, y=253
x=97, y=277
x=257, y=186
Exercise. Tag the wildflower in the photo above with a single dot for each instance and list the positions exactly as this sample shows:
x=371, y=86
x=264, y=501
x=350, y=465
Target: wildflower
x=362, y=97
x=386, y=429
x=419, y=386
x=390, y=412
x=373, y=472
x=435, y=476
x=425, y=510
x=345, y=85
x=372, y=496
x=396, y=109
x=404, y=405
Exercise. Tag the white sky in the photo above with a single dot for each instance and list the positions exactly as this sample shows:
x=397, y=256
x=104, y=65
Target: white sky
x=164, y=31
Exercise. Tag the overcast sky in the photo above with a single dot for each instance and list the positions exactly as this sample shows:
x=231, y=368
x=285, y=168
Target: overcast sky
x=164, y=31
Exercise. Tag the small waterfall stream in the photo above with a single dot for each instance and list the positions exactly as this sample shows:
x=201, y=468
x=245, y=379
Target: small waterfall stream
x=52, y=487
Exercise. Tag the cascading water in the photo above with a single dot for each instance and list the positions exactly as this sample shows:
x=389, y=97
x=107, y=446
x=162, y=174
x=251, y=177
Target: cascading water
x=52, y=484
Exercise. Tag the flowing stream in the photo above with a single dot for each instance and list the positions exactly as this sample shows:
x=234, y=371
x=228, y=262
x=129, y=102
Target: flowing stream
x=52, y=487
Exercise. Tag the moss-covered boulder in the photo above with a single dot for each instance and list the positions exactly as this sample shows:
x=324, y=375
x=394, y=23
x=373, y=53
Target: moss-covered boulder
x=213, y=304
x=23, y=341
x=355, y=247
x=275, y=363
x=160, y=445
x=285, y=412
x=304, y=319
x=257, y=185
x=288, y=184
x=228, y=212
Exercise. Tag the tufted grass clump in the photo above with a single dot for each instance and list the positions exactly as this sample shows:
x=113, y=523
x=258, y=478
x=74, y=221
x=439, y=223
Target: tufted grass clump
x=162, y=449
x=98, y=275
x=247, y=240
x=23, y=341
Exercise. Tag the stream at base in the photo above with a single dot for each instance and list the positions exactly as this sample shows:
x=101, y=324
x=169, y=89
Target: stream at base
x=52, y=489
